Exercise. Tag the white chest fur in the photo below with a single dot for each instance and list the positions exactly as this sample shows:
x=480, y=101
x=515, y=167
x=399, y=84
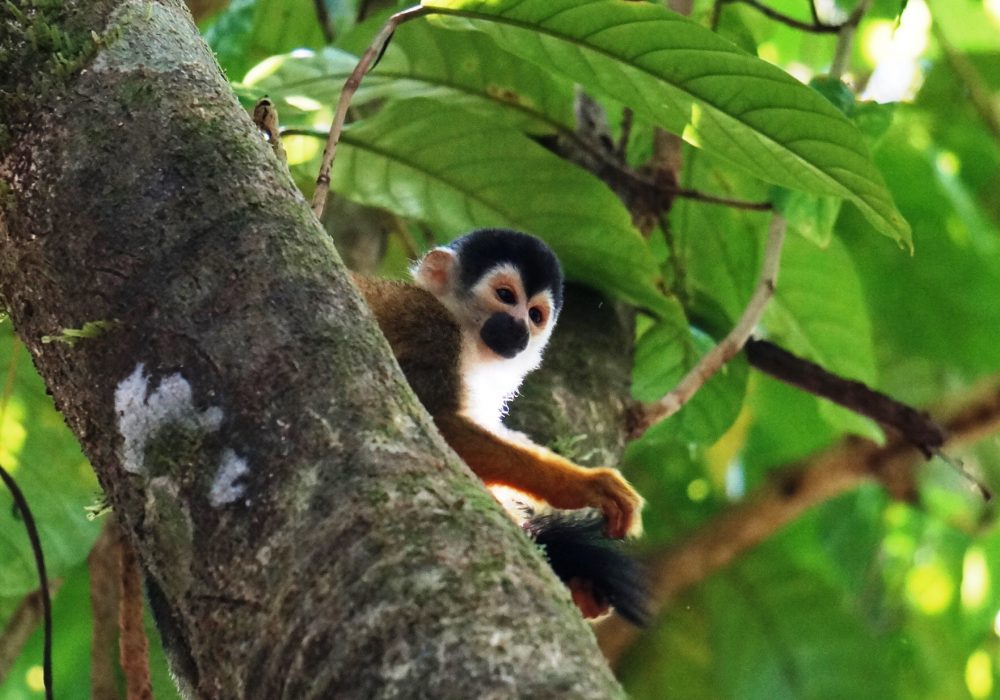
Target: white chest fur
x=491, y=384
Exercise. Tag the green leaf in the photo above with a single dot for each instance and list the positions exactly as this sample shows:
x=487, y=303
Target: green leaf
x=938, y=306
x=718, y=246
x=787, y=426
x=663, y=355
x=674, y=659
x=873, y=119
x=779, y=630
x=811, y=217
x=250, y=30
x=463, y=69
x=456, y=171
x=696, y=84
x=819, y=312
x=58, y=483
x=834, y=90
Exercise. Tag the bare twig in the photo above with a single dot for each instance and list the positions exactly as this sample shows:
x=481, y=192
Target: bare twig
x=21, y=626
x=980, y=96
x=845, y=39
x=724, y=201
x=813, y=11
x=368, y=59
x=816, y=26
x=132, y=644
x=43, y=580
x=104, y=567
x=741, y=527
x=715, y=358
x=844, y=29
x=915, y=427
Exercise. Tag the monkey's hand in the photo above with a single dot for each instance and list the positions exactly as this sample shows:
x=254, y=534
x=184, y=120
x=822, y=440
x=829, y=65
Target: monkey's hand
x=543, y=474
x=606, y=489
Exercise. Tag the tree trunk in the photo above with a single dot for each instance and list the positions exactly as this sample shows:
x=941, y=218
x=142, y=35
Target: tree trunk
x=304, y=531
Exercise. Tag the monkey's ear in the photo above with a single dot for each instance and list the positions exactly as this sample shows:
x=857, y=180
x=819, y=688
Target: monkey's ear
x=434, y=271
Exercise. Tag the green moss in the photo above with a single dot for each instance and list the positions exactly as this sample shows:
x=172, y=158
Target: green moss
x=174, y=451
x=45, y=42
x=8, y=202
x=136, y=92
x=71, y=336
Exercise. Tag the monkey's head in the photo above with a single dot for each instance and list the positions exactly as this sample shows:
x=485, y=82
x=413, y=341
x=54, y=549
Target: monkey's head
x=504, y=288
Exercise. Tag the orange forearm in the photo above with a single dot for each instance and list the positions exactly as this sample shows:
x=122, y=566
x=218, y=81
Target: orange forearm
x=542, y=474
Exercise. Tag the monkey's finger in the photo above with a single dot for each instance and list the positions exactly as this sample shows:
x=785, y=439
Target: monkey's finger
x=615, y=520
x=619, y=503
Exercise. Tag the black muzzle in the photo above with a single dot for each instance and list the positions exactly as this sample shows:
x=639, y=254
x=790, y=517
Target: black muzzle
x=504, y=334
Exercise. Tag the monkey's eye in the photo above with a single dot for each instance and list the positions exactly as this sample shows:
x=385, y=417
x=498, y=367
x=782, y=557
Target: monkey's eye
x=506, y=296
x=536, y=315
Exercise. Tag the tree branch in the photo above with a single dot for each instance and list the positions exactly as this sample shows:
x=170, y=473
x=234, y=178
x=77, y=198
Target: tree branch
x=914, y=426
x=245, y=417
x=787, y=496
x=845, y=39
x=133, y=647
x=714, y=359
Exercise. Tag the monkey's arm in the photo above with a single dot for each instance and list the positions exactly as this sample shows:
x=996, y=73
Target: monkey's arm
x=543, y=474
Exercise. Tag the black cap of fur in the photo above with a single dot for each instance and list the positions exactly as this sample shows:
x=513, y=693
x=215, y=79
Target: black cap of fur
x=485, y=248
x=576, y=547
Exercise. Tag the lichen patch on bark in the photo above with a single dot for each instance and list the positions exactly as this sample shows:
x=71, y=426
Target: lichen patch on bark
x=228, y=486
x=143, y=414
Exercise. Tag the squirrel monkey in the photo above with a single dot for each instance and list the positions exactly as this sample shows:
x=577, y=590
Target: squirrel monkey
x=465, y=334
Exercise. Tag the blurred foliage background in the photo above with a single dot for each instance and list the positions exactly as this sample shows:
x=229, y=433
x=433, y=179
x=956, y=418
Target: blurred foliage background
x=863, y=596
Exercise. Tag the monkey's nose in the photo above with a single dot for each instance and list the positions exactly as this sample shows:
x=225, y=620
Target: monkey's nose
x=504, y=334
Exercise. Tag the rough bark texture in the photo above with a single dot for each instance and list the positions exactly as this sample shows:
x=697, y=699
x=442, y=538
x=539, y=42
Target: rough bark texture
x=304, y=531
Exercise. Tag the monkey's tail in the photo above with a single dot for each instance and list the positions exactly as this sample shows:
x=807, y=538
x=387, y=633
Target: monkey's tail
x=581, y=555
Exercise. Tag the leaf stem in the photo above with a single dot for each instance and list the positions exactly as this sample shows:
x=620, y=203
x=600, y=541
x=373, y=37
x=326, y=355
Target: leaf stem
x=715, y=358
x=816, y=26
x=368, y=59
x=845, y=39
x=724, y=201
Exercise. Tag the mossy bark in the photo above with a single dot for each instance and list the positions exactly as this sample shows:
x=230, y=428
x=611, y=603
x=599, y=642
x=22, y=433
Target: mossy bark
x=304, y=531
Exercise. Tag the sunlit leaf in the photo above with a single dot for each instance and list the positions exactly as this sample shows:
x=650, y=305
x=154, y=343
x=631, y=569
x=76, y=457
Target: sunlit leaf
x=458, y=172
x=692, y=82
x=780, y=630
x=248, y=31
x=811, y=217
x=463, y=69
x=55, y=478
x=663, y=355
x=718, y=246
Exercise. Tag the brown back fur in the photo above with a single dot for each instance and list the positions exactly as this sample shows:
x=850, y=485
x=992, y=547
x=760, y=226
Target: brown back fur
x=424, y=337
